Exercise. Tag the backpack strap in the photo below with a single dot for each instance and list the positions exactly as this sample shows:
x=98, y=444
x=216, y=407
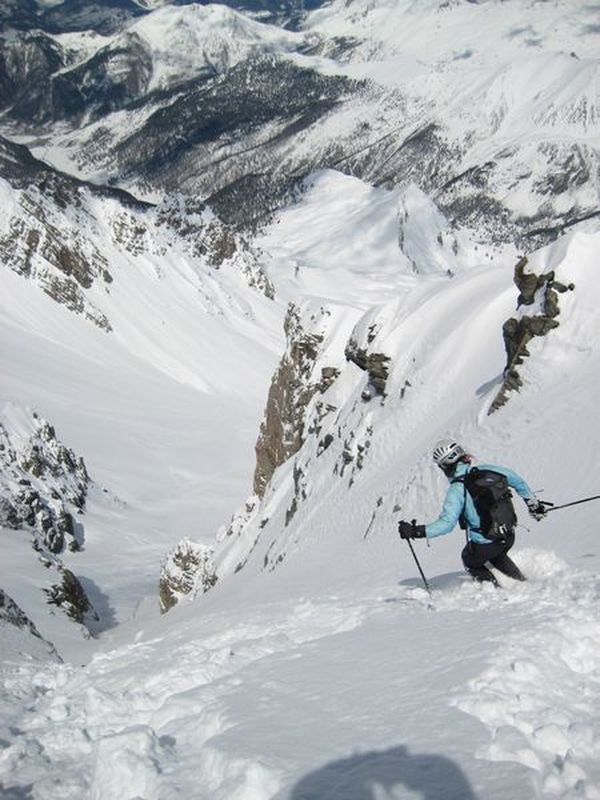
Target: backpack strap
x=461, y=520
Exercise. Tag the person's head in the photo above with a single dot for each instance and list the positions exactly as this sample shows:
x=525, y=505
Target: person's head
x=447, y=454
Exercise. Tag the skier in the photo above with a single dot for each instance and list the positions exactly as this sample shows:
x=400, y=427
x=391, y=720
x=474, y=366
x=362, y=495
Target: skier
x=460, y=506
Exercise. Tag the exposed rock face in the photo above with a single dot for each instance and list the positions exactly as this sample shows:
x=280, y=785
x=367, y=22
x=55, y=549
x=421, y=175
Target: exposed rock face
x=305, y=431
x=542, y=291
x=294, y=384
x=363, y=350
x=293, y=412
x=43, y=490
x=64, y=268
x=70, y=596
x=207, y=237
x=301, y=426
x=44, y=235
x=188, y=571
x=27, y=63
x=41, y=481
x=373, y=363
x=51, y=234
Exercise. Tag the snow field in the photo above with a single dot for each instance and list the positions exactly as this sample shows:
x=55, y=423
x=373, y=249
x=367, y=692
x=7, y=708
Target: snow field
x=330, y=677
x=145, y=405
x=265, y=701
x=544, y=432
x=540, y=694
x=126, y=729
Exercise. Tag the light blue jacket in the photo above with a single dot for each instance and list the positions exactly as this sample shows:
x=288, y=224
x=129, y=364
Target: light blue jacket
x=455, y=503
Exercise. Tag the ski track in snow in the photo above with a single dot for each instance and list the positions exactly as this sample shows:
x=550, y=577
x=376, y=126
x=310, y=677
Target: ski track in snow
x=138, y=722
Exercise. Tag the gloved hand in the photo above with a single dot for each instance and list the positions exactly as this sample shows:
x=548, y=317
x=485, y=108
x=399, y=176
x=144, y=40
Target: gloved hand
x=537, y=509
x=409, y=531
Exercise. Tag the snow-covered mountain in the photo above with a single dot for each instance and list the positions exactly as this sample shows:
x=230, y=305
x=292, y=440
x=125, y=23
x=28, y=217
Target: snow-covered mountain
x=315, y=661
x=109, y=16
x=252, y=266
x=491, y=108
x=132, y=310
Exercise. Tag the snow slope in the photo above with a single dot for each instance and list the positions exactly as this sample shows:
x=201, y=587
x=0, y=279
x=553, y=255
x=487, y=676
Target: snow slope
x=190, y=347
x=329, y=672
x=514, y=86
x=491, y=108
x=366, y=692
x=183, y=41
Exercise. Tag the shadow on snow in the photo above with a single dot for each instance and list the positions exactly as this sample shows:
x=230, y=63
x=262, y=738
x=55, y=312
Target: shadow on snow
x=101, y=604
x=446, y=581
x=382, y=775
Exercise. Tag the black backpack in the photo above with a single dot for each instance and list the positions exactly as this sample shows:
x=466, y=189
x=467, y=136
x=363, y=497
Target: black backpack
x=493, y=502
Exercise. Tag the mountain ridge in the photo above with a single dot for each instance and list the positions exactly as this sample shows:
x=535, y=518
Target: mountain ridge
x=345, y=234
x=509, y=152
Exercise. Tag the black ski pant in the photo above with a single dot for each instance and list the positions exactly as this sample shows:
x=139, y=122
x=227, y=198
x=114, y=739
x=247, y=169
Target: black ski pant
x=475, y=556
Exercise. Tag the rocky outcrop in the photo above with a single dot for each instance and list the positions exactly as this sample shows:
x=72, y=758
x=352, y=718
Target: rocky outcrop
x=363, y=351
x=296, y=381
x=375, y=364
x=54, y=234
x=316, y=426
x=541, y=291
x=27, y=63
x=12, y=614
x=42, y=482
x=206, y=237
x=63, y=266
x=43, y=491
x=44, y=236
x=69, y=595
x=187, y=572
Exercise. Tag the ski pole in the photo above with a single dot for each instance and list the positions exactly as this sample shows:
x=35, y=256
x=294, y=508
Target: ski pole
x=574, y=503
x=409, y=543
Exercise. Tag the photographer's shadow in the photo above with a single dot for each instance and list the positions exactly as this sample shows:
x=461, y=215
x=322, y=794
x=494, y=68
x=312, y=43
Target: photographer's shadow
x=386, y=775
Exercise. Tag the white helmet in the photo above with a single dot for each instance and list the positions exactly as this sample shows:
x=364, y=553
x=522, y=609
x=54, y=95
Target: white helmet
x=447, y=452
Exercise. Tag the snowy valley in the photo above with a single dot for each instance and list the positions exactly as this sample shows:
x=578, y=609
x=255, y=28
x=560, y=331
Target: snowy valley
x=255, y=260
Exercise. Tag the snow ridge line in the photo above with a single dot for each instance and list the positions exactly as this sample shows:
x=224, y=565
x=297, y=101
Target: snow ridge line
x=540, y=695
